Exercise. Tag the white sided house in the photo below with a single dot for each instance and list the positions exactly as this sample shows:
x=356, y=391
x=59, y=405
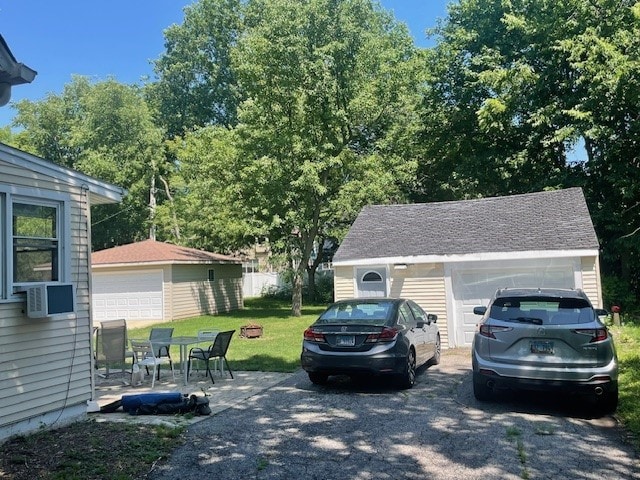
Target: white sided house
x=452, y=256
x=46, y=369
x=155, y=281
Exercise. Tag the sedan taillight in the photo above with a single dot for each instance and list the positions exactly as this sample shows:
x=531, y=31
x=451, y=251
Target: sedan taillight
x=311, y=335
x=387, y=334
x=489, y=330
x=596, y=334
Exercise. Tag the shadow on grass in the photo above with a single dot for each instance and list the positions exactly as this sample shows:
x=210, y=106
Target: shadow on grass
x=265, y=363
x=257, y=308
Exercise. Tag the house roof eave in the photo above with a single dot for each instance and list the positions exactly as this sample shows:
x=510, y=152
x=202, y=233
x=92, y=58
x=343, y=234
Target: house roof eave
x=100, y=192
x=160, y=263
x=470, y=257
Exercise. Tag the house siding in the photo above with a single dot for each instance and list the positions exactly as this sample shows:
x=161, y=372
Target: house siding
x=425, y=285
x=192, y=294
x=45, y=364
x=343, y=282
x=591, y=280
x=422, y=283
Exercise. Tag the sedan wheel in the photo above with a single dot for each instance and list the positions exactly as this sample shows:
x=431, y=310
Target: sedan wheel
x=408, y=377
x=435, y=360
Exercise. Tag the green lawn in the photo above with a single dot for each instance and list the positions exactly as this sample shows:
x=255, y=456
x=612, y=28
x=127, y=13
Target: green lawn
x=627, y=339
x=278, y=350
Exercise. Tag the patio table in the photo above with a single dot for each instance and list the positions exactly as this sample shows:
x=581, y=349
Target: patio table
x=183, y=342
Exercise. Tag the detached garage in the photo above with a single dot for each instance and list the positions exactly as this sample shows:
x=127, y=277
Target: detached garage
x=452, y=256
x=156, y=281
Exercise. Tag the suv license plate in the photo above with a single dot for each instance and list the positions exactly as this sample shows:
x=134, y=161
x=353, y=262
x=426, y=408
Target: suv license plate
x=345, y=340
x=545, y=348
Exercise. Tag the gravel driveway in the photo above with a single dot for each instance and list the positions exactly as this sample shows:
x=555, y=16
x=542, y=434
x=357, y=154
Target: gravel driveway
x=437, y=430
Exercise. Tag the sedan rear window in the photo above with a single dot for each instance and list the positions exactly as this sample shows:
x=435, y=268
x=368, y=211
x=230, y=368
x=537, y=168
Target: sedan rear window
x=376, y=313
x=542, y=311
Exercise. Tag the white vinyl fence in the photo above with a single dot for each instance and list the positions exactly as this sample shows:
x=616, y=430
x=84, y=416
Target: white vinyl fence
x=253, y=284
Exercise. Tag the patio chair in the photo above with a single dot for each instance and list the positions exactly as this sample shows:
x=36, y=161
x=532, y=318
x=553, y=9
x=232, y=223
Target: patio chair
x=111, y=346
x=216, y=351
x=145, y=354
x=159, y=337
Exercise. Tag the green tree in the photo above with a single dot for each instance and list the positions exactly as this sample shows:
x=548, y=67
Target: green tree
x=103, y=129
x=196, y=84
x=325, y=81
x=515, y=85
x=204, y=187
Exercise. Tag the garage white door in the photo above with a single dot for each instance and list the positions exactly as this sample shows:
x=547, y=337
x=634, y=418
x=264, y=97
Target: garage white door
x=132, y=296
x=475, y=286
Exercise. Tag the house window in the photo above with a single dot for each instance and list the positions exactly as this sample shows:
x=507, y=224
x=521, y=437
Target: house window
x=212, y=275
x=36, y=242
x=372, y=277
x=34, y=239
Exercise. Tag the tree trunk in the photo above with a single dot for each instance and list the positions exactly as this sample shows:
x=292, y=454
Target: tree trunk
x=311, y=270
x=311, y=275
x=296, y=293
x=152, y=208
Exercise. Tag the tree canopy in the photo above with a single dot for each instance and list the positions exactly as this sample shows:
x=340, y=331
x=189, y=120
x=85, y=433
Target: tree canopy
x=280, y=119
x=103, y=129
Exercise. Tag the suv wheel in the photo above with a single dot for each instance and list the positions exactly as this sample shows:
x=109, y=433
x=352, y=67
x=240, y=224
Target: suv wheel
x=318, y=378
x=481, y=390
x=607, y=403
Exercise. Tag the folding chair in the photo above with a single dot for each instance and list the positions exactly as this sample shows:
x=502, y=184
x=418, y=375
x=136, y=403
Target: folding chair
x=159, y=336
x=217, y=350
x=145, y=355
x=111, y=345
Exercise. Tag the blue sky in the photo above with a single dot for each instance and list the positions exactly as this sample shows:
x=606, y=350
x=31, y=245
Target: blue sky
x=119, y=38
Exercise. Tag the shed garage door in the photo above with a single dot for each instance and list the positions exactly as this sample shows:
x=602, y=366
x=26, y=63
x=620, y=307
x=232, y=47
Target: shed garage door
x=132, y=296
x=475, y=286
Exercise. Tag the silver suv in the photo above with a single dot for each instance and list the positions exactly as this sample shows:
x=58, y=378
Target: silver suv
x=544, y=339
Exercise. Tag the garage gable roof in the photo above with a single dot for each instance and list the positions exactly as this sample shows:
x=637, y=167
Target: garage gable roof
x=151, y=251
x=544, y=221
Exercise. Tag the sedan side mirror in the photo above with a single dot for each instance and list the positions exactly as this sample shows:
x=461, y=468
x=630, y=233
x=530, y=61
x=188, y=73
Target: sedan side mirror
x=432, y=318
x=479, y=310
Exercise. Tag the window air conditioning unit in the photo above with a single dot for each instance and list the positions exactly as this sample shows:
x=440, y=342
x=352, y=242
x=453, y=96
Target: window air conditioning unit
x=44, y=300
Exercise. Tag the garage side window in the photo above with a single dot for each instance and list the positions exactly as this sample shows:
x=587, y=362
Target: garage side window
x=36, y=242
x=212, y=275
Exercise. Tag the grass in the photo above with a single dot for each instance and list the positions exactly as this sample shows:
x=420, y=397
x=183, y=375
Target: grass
x=278, y=350
x=627, y=339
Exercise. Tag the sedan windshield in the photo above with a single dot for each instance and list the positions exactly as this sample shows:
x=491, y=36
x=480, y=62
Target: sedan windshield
x=542, y=311
x=374, y=313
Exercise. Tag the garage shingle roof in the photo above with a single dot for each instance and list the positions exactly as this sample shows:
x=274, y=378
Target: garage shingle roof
x=151, y=251
x=543, y=221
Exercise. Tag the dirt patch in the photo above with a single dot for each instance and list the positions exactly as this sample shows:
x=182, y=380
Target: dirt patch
x=88, y=450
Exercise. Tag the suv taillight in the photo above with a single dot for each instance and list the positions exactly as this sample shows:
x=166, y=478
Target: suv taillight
x=596, y=334
x=311, y=335
x=386, y=335
x=489, y=330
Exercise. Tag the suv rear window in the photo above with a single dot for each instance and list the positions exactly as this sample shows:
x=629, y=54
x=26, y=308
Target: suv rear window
x=542, y=310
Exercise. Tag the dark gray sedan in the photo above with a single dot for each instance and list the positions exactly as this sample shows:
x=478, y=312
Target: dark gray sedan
x=375, y=336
